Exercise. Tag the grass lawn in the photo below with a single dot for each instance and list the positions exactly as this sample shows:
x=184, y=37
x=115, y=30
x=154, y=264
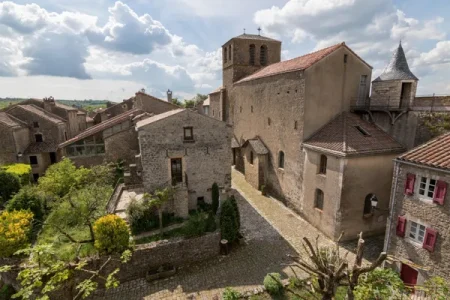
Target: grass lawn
x=63, y=247
x=166, y=235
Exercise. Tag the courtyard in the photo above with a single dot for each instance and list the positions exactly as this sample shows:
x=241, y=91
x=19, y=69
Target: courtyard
x=272, y=232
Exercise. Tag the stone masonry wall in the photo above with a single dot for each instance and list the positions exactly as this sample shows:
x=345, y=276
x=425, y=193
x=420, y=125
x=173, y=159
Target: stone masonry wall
x=214, y=107
x=122, y=145
x=204, y=161
x=388, y=93
x=7, y=146
x=424, y=212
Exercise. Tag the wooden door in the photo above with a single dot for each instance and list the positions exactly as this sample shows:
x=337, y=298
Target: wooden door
x=409, y=275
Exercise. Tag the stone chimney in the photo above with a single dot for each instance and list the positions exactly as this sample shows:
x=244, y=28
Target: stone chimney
x=49, y=103
x=169, y=96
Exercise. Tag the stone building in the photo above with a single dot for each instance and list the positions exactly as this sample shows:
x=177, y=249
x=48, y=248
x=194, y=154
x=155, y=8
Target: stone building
x=418, y=229
x=114, y=138
x=187, y=150
x=395, y=107
x=36, y=136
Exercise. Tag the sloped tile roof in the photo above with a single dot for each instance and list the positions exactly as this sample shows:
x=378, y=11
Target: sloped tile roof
x=158, y=117
x=398, y=68
x=41, y=112
x=257, y=145
x=102, y=126
x=38, y=147
x=10, y=121
x=435, y=153
x=291, y=65
x=217, y=90
x=234, y=143
x=247, y=36
x=343, y=136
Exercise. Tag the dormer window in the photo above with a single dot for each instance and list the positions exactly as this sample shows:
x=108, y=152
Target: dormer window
x=362, y=130
x=188, y=134
x=35, y=124
x=38, y=138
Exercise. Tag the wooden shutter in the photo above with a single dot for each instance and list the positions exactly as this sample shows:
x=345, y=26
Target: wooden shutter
x=409, y=185
x=430, y=239
x=401, y=226
x=439, y=192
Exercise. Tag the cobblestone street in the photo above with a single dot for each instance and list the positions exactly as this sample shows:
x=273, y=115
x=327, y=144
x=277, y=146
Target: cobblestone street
x=271, y=232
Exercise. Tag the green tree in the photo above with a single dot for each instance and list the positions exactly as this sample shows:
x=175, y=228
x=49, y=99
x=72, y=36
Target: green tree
x=28, y=198
x=111, y=234
x=9, y=185
x=23, y=171
x=158, y=199
x=189, y=104
x=44, y=272
x=228, y=222
x=176, y=101
x=15, y=231
x=379, y=284
x=215, y=197
x=236, y=209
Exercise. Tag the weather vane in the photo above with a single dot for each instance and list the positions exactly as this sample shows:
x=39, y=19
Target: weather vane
x=259, y=30
x=244, y=30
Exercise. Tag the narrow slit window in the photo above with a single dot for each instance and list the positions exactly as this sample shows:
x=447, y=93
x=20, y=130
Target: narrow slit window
x=319, y=199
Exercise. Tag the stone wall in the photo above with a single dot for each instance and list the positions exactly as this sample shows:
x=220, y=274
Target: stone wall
x=427, y=213
x=205, y=160
x=122, y=145
x=152, y=104
x=388, y=93
x=214, y=106
x=251, y=170
x=8, y=153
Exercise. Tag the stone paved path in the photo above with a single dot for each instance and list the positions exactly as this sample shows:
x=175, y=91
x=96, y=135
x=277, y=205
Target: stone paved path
x=271, y=232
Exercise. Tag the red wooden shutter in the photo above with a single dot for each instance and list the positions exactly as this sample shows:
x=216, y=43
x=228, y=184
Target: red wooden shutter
x=430, y=239
x=401, y=226
x=409, y=185
x=439, y=192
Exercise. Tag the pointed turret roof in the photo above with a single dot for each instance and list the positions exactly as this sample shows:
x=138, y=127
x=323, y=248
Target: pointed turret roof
x=398, y=68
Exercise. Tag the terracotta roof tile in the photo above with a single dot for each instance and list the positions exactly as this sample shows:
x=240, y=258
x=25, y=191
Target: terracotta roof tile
x=348, y=134
x=102, y=126
x=295, y=64
x=435, y=153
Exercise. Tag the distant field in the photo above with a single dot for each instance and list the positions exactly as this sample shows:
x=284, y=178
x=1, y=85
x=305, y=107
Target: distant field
x=85, y=104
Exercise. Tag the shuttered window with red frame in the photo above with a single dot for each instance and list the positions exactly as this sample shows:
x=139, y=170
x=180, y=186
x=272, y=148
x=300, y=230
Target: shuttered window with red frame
x=409, y=184
x=440, y=192
x=430, y=239
x=401, y=226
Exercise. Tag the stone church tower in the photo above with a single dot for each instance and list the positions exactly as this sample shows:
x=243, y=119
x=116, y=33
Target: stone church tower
x=242, y=56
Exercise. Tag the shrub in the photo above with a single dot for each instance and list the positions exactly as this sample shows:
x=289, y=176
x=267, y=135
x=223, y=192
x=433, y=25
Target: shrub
x=272, y=283
x=15, y=231
x=22, y=171
x=215, y=197
x=228, y=222
x=438, y=288
x=28, y=198
x=9, y=185
x=379, y=284
x=141, y=217
x=236, y=209
x=196, y=225
x=111, y=234
x=230, y=294
x=211, y=225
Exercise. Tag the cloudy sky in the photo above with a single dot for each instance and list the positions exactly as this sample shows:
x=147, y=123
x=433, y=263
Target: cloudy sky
x=104, y=49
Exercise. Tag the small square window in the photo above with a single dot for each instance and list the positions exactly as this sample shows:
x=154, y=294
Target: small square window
x=33, y=160
x=38, y=138
x=188, y=134
x=36, y=124
x=416, y=232
x=427, y=187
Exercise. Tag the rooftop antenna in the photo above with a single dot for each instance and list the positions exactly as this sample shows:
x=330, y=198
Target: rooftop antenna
x=259, y=30
x=244, y=30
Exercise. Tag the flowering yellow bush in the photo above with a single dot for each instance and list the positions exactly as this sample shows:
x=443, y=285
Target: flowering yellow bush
x=111, y=234
x=15, y=230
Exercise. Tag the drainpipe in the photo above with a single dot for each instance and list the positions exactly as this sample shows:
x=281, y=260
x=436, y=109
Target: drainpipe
x=391, y=209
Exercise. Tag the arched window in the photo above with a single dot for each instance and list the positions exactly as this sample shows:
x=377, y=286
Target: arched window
x=368, y=203
x=323, y=165
x=225, y=55
x=318, y=202
x=281, y=160
x=251, y=157
x=252, y=54
x=229, y=52
x=263, y=55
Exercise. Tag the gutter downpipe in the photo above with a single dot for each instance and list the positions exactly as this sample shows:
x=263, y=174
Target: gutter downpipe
x=391, y=209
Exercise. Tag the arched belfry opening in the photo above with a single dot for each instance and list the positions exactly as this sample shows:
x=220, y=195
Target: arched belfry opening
x=263, y=55
x=251, y=51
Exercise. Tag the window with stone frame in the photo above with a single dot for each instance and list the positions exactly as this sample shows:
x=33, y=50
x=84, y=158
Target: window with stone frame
x=176, y=168
x=416, y=232
x=38, y=138
x=263, y=55
x=281, y=160
x=188, y=133
x=426, y=187
x=323, y=164
x=33, y=160
x=251, y=51
x=318, y=201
